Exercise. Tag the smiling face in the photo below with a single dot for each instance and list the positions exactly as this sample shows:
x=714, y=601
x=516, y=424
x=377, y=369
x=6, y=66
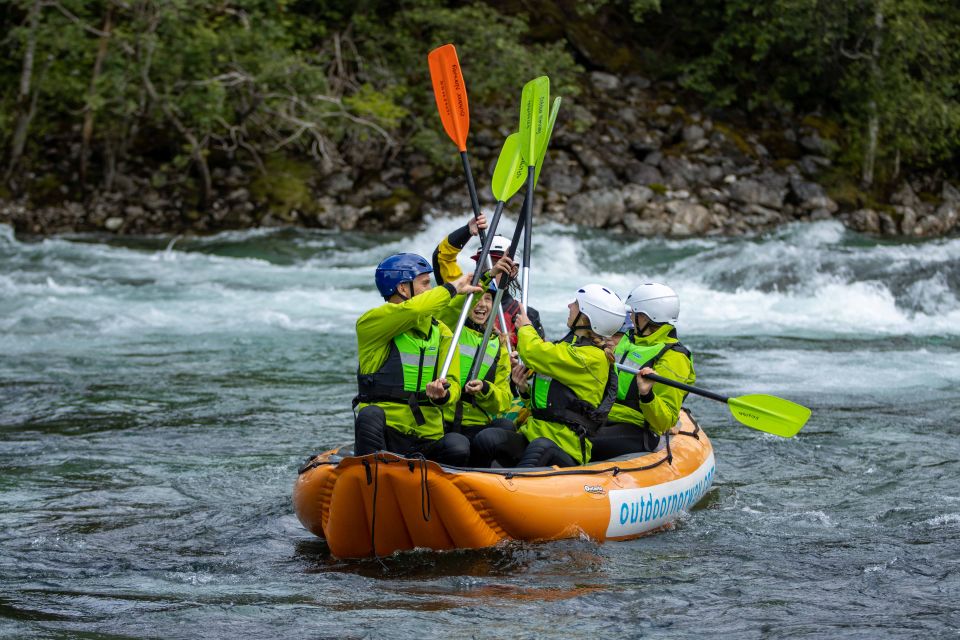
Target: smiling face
x=481, y=311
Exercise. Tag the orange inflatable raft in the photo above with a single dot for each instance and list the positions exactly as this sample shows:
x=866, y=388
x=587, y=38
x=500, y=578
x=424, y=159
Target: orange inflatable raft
x=381, y=503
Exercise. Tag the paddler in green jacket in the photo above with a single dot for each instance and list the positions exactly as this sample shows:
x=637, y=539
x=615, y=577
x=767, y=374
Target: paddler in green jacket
x=402, y=347
x=446, y=268
x=570, y=392
x=645, y=410
x=489, y=394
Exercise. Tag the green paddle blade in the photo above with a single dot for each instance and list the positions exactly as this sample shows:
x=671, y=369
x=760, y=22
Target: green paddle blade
x=534, y=103
x=770, y=414
x=511, y=171
x=542, y=147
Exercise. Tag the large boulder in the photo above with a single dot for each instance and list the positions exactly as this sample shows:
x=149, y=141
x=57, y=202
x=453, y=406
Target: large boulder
x=764, y=190
x=597, y=208
x=689, y=218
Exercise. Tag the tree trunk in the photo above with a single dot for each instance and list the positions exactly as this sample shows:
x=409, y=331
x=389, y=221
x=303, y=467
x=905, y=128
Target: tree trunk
x=873, y=119
x=26, y=103
x=87, y=134
x=196, y=147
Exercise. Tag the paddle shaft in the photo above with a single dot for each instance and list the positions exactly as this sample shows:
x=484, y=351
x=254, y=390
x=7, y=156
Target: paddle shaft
x=527, y=233
x=677, y=385
x=502, y=285
x=484, y=257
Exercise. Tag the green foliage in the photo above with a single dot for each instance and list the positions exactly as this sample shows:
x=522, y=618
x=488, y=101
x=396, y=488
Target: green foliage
x=285, y=187
x=185, y=83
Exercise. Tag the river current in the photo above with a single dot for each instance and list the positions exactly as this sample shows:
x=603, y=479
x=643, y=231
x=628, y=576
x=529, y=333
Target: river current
x=157, y=395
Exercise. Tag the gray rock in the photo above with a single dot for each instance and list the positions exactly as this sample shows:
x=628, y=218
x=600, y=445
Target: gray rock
x=812, y=165
x=113, y=223
x=654, y=158
x=948, y=215
x=628, y=116
x=421, y=172
x=950, y=193
x=929, y=225
x=679, y=172
x=714, y=173
x=564, y=174
x=635, y=196
x=238, y=195
x=758, y=215
x=133, y=211
x=637, y=81
x=337, y=183
x=820, y=214
x=693, y=133
x=589, y=158
x=646, y=226
x=905, y=196
x=643, y=173
x=887, y=225
x=604, y=81
x=908, y=220
x=602, y=178
x=709, y=194
x=645, y=142
x=689, y=218
x=598, y=208
x=814, y=143
x=755, y=192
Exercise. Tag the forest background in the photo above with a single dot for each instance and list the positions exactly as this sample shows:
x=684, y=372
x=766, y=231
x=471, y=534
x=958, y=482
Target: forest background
x=202, y=114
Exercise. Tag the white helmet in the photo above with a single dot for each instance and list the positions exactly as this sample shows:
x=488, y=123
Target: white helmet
x=657, y=301
x=603, y=308
x=498, y=248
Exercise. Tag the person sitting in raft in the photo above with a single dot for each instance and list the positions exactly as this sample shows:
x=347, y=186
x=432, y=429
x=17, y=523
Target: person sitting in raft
x=570, y=392
x=401, y=346
x=645, y=410
x=488, y=395
x=446, y=268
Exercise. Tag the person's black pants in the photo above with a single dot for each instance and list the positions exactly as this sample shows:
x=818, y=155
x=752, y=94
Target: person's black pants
x=510, y=449
x=372, y=434
x=620, y=438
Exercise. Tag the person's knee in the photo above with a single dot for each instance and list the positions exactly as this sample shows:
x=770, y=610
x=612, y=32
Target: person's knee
x=487, y=440
x=456, y=449
x=368, y=430
x=502, y=423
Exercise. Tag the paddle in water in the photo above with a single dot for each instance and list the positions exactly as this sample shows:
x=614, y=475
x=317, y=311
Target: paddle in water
x=758, y=411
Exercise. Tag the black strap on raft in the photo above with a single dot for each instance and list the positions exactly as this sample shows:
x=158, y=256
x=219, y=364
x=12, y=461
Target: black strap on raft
x=424, y=485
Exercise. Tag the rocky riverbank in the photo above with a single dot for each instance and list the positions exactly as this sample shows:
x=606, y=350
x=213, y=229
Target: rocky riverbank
x=626, y=156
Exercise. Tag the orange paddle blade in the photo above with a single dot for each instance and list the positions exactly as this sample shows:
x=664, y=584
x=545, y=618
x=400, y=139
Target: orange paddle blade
x=451, y=93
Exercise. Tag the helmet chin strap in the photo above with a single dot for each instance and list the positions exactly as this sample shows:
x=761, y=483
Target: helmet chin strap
x=575, y=324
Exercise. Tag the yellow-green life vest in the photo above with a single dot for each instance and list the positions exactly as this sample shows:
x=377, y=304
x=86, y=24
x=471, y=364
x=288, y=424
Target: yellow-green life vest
x=469, y=343
x=404, y=375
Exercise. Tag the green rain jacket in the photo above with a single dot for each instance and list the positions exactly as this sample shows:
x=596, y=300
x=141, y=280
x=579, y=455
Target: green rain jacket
x=584, y=369
x=660, y=410
x=375, y=332
x=496, y=397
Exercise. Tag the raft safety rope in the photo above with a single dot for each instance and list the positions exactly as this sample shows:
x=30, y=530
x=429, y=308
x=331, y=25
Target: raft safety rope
x=424, y=485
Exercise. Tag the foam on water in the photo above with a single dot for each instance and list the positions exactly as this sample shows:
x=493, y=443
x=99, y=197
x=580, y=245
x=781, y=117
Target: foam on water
x=814, y=280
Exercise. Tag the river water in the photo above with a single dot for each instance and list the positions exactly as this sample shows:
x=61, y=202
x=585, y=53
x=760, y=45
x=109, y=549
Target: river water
x=158, y=394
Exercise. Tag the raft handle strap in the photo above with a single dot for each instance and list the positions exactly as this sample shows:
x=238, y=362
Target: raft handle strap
x=695, y=434
x=669, y=453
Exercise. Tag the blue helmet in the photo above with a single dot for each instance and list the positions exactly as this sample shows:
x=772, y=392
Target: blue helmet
x=398, y=268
